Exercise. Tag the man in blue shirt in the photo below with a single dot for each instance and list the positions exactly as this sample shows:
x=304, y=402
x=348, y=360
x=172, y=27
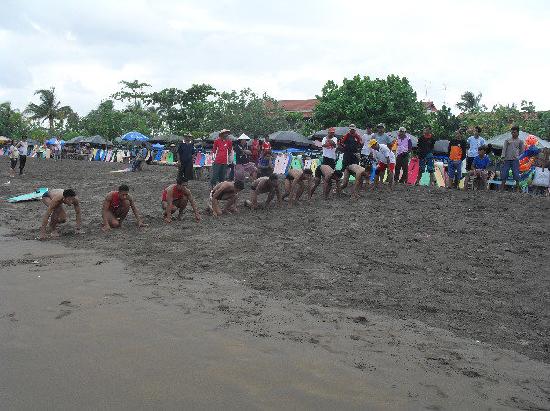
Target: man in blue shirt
x=474, y=142
x=479, y=168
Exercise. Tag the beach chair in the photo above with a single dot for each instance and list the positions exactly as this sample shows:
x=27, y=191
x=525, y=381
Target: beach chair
x=297, y=163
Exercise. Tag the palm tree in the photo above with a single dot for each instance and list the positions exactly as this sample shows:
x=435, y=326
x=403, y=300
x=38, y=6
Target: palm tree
x=48, y=109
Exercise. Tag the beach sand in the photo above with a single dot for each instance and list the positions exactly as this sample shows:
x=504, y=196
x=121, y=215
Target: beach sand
x=419, y=298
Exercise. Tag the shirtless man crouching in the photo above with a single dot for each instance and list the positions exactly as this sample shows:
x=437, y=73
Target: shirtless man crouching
x=225, y=191
x=327, y=174
x=175, y=198
x=54, y=200
x=115, y=208
x=264, y=185
x=359, y=173
x=294, y=184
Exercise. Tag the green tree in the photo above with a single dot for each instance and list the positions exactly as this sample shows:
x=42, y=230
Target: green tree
x=470, y=103
x=12, y=123
x=132, y=91
x=245, y=112
x=444, y=123
x=183, y=111
x=362, y=100
x=105, y=121
x=49, y=109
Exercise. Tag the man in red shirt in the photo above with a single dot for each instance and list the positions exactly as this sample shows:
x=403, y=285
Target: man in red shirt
x=266, y=145
x=255, y=149
x=222, y=152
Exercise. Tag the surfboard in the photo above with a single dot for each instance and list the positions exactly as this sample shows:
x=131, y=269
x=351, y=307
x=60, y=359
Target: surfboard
x=36, y=195
x=439, y=173
x=413, y=171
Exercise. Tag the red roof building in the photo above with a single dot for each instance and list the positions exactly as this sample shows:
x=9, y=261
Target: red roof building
x=305, y=107
x=429, y=106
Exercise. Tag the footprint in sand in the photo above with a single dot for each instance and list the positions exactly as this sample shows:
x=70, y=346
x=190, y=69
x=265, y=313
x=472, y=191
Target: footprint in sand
x=66, y=311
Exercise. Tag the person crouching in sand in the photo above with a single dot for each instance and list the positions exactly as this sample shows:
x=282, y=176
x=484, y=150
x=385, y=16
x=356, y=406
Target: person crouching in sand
x=225, y=191
x=264, y=185
x=115, y=208
x=295, y=183
x=175, y=198
x=54, y=200
x=328, y=175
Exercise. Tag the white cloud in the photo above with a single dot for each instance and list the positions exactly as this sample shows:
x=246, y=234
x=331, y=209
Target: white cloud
x=288, y=49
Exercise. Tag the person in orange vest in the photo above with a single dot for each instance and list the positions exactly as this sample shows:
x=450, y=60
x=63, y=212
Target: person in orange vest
x=457, y=154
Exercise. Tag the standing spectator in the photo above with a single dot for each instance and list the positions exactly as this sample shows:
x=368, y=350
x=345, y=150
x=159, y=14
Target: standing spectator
x=329, y=148
x=221, y=151
x=512, y=149
x=243, y=160
x=349, y=144
x=424, y=151
x=13, y=153
x=381, y=136
x=266, y=145
x=456, y=153
x=404, y=146
x=474, y=142
x=57, y=149
x=255, y=149
x=185, y=153
x=23, y=147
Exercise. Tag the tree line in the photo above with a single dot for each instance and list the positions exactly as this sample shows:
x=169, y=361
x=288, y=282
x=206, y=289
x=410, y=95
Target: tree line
x=202, y=109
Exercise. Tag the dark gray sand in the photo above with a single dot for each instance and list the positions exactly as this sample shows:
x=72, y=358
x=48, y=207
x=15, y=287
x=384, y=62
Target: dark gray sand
x=417, y=298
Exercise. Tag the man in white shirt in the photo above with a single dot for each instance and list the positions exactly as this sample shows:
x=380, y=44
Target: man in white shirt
x=329, y=144
x=474, y=142
x=23, y=147
x=57, y=149
x=386, y=161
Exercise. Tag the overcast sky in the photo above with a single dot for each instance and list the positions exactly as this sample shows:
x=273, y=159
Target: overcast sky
x=288, y=49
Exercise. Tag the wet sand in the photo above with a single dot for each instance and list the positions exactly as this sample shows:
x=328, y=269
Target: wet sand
x=254, y=306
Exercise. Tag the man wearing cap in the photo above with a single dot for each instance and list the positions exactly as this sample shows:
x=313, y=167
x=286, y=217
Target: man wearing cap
x=349, y=144
x=185, y=153
x=404, y=146
x=329, y=144
x=221, y=151
x=386, y=161
x=381, y=136
x=243, y=163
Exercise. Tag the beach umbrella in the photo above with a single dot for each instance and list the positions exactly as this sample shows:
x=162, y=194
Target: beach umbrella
x=338, y=132
x=289, y=137
x=97, y=140
x=76, y=140
x=168, y=138
x=498, y=141
x=157, y=146
x=134, y=136
x=413, y=138
x=441, y=146
x=52, y=141
x=4, y=139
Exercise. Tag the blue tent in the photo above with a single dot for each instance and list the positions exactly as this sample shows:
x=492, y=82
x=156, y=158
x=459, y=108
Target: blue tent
x=134, y=136
x=52, y=141
x=157, y=146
